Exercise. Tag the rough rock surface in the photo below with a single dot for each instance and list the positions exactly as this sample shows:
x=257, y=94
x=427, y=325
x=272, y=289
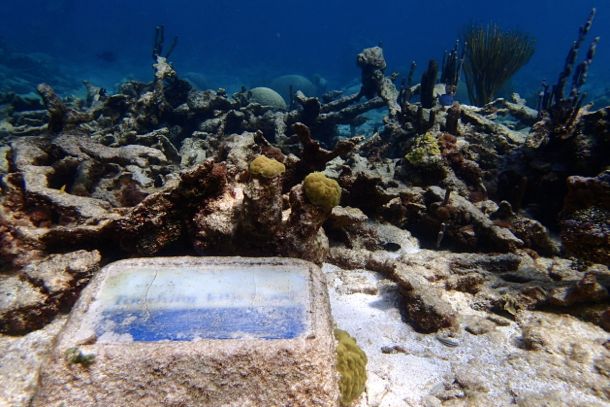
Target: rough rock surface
x=160, y=168
x=425, y=308
x=585, y=227
x=21, y=358
x=486, y=360
x=42, y=289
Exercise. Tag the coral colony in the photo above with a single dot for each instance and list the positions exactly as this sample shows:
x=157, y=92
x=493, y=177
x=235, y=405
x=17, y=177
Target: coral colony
x=503, y=204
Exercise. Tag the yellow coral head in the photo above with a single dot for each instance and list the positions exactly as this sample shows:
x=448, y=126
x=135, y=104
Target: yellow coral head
x=425, y=150
x=321, y=190
x=265, y=167
x=351, y=364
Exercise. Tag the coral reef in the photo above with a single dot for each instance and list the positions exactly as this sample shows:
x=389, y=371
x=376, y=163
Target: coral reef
x=351, y=364
x=492, y=56
x=321, y=190
x=265, y=167
x=267, y=97
x=507, y=227
x=558, y=114
x=372, y=63
x=428, y=81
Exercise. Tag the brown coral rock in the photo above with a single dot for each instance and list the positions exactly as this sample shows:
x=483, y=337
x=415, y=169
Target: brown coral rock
x=585, y=225
x=31, y=299
x=425, y=307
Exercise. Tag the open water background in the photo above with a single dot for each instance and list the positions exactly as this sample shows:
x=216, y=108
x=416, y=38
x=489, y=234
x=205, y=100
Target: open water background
x=234, y=43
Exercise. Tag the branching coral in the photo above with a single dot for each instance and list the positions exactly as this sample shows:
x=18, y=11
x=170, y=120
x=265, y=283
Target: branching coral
x=313, y=156
x=373, y=64
x=492, y=56
x=428, y=80
x=558, y=113
x=450, y=73
x=60, y=116
x=158, y=43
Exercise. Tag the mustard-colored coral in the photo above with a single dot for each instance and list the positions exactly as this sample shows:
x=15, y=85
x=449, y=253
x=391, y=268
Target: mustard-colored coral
x=321, y=190
x=351, y=364
x=266, y=167
x=425, y=150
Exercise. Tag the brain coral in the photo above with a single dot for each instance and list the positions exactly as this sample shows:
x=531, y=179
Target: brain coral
x=321, y=190
x=351, y=364
x=283, y=84
x=266, y=167
x=267, y=97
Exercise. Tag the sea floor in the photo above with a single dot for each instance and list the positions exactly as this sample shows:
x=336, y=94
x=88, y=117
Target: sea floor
x=484, y=363
x=465, y=248
x=490, y=368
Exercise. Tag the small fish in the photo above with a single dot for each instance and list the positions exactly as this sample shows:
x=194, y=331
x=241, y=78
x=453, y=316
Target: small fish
x=447, y=341
x=446, y=99
x=63, y=188
x=393, y=349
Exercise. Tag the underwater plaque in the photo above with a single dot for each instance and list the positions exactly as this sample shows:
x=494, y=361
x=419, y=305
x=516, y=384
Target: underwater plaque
x=196, y=331
x=185, y=302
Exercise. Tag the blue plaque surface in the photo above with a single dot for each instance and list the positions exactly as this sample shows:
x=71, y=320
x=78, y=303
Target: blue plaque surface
x=182, y=303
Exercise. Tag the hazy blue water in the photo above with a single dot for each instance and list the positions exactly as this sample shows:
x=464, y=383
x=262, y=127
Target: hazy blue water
x=253, y=41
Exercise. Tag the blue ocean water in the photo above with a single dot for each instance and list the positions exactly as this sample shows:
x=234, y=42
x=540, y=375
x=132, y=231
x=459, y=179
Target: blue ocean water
x=234, y=43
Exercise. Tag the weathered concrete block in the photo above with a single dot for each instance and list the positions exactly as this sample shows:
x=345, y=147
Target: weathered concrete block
x=189, y=331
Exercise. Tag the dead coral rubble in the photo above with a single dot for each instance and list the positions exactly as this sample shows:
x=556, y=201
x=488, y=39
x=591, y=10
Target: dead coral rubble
x=248, y=218
x=162, y=168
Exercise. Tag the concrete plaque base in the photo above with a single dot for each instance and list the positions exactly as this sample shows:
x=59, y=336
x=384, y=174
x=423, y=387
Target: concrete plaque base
x=196, y=331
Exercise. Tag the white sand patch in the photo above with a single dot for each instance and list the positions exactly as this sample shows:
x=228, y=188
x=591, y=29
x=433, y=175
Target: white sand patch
x=375, y=321
x=482, y=370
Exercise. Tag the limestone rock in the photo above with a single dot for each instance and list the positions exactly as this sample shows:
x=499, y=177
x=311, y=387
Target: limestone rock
x=42, y=289
x=22, y=306
x=21, y=359
x=479, y=326
x=585, y=231
x=424, y=305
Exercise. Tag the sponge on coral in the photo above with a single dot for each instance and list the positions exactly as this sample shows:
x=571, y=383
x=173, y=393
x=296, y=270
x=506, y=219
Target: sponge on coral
x=321, y=190
x=266, y=167
x=351, y=364
x=425, y=150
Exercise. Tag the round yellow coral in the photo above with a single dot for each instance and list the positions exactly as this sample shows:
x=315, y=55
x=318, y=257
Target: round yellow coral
x=266, y=167
x=425, y=150
x=351, y=364
x=321, y=190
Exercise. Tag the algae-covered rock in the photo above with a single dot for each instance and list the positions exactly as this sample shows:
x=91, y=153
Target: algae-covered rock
x=267, y=97
x=351, y=364
x=266, y=167
x=321, y=190
x=425, y=150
